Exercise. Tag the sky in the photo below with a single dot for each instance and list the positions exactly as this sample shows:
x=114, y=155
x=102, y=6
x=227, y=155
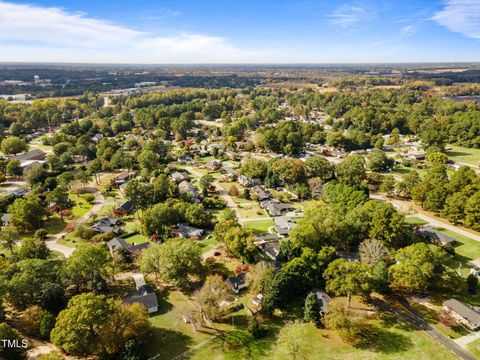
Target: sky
x=239, y=31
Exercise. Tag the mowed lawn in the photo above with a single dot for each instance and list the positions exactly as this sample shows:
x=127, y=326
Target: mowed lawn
x=465, y=155
x=261, y=226
x=474, y=348
x=393, y=340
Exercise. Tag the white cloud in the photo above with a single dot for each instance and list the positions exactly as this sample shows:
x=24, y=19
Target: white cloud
x=408, y=31
x=34, y=33
x=348, y=15
x=461, y=16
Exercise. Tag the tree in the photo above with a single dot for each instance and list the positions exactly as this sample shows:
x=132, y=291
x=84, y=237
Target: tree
x=59, y=198
x=35, y=174
x=33, y=249
x=176, y=260
x=260, y=277
x=418, y=267
x=312, y=309
x=31, y=320
x=386, y=224
x=472, y=212
x=83, y=177
x=319, y=167
x=346, y=323
x=472, y=284
x=209, y=297
x=239, y=242
x=388, y=185
x=14, y=169
x=9, y=237
x=13, y=145
x=26, y=213
x=79, y=328
x=254, y=168
x=372, y=251
x=351, y=170
x=86, y=264
x=291, y=342
x=205, y=183
x=406, y=186
x=46, y=325
x=233, y=191
x=437, y=158
x=348, y=278
x=378, y=161
x=12, y=352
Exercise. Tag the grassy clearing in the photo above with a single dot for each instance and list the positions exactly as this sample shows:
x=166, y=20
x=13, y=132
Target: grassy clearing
x=208, y=244
x=251, y=212
x=474, y=348
x=81, y=205
x=259, y=226
x=465, y=155
x=412, y=220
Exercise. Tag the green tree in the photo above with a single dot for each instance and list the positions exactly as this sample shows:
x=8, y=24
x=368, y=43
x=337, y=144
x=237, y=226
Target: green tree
x=26, y=213
x=14, y=168
x=9, y=237
x=472, y=212
x=319, y=167
x=351, y=170
x=311, y=311
x=379, y=161
x=13, y=145
x=254, y=168
x=176, y=260
x=205, y=183
x=15, y=352
x=388, y=185
x=239, y=242
x=348, y=278
x=291, y=342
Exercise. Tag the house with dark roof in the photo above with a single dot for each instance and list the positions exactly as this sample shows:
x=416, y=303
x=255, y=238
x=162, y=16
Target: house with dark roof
x=36, y=154
x=275, y=207
x=433, y=235
x=144, y=296
x=283, y=225
x=186, y=159
x=117, y=244
x=122, y=178
x=188, y=232
x=260, y=193
x=238, y=282
x=463, y=313
x=323, y=299
x=107, y=224
x=128, y=207
x=271, y=249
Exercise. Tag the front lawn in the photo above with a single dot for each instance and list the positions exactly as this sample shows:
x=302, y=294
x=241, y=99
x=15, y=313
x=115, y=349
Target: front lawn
x=259, y=227
x=474, y=348
x=251, y=212
x=465, y=155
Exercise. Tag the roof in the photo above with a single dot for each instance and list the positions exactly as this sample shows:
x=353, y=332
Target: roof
x=275, y=208
x=271, y=249
x=148, y=300
x=37, y=153
x=117, y=244
x=260, y=192
x=127, y=206
x=238, y=280
x=435, y=235
x=284, y=222
x=189, y=231
x=464, y=310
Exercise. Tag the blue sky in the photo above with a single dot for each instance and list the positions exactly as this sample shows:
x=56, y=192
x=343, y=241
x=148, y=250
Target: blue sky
x=240, y=31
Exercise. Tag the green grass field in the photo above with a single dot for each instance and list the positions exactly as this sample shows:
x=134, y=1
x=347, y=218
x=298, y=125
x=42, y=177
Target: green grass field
x=251, y=212
x=81, y=205
x=474, y=348
x=465, y=155
x=259, y=226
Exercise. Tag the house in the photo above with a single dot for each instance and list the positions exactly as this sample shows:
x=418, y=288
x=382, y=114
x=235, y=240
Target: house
x=230, y=173
x=179, y=176
x=270, y=248
x=186, y=231
x=36, y=154
x=213, y=165
x=283, y=225
x=435, y=236
x=97, y=137
x=128, y=207
x=238, y=282
x=144, y=296
x=187, y=188
x=122, y=178
x=260, y=193
x=275, y=207
x=186, y=159
x=107, y=224
x=118, y=243
x=245, y=181
x=323, y=299
x=463, y=313
x=28, y=164
x=418, y=157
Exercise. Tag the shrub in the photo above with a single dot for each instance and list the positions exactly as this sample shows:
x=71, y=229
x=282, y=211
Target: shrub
x=90, y=198
x=84, y=232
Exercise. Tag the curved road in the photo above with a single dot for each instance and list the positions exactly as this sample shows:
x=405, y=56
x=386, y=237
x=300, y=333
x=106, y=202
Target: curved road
x=52, y=241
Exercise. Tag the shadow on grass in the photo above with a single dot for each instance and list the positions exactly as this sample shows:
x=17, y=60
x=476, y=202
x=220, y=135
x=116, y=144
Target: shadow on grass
x=382, y=340
x=168, y=343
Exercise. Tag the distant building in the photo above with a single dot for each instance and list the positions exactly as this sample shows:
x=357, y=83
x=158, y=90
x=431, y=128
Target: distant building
x=213, y=165
x=179, y=176
x=144, y=296
x=283, y=225
x=463, y=313
x=260, y=193
x=245, y=181
x=36, y=154
x=188, y=232
x=238, y=282
x=275, y=207
x=107, y=224
x=187, y=188
x=118, y=243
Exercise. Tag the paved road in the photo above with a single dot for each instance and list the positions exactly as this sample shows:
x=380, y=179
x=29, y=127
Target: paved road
x=404, y=206
x=52, y=241
x=411, y=316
